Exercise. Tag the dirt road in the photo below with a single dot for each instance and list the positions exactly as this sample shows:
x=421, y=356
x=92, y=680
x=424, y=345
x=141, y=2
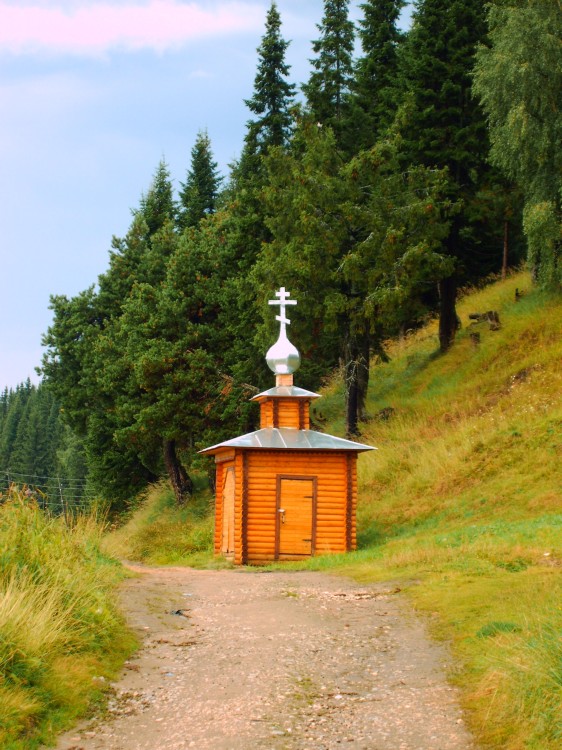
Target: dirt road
x=241, y=660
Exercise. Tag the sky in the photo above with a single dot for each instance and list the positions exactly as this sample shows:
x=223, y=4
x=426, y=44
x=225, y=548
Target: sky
x=93, y=94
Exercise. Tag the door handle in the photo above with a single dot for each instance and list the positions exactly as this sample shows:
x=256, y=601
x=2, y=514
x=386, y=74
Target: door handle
x=282, y=511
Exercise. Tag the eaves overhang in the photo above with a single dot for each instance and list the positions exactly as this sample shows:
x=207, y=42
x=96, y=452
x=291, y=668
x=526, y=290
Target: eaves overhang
x=288, y=438
x=285, y=391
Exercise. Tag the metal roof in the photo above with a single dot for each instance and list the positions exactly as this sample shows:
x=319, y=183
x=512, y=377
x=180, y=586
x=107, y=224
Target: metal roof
x=289, y=438
x=286, y=391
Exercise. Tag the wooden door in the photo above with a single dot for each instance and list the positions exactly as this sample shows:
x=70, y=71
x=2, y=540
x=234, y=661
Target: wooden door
x=228, y=493
x=296, y=509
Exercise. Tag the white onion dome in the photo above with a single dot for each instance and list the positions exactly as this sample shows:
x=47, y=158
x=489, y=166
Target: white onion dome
x=283, y=358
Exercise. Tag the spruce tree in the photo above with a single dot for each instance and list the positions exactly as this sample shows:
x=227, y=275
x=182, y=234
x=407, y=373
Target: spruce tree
x=199, y=193
x=445, y=125
x=29, y=444
x=358, y=244
x=272, y=101
x=327, y=90
x=158, y=205
x=84, y=362
x=375, y=88
x=272, y=97
x=15, y=416
x=22, y=453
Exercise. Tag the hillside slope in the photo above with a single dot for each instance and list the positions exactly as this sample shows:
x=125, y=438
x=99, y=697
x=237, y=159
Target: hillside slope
x=461, y=504
x=463, y=501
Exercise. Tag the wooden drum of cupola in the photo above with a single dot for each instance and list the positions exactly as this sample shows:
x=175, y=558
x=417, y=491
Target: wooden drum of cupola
x=285, y=492
x=285, y=406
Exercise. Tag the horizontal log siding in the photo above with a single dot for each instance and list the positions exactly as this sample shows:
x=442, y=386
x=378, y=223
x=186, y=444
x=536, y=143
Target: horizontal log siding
x=304, y=415
x=218, y=508
x=332, y=499
x=238, y=509
x=285, y=412
x=266, y=414
x=288, y=413
x=354, y=503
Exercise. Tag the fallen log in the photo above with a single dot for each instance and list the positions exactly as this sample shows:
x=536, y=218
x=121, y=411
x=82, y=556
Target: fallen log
x=491, y=317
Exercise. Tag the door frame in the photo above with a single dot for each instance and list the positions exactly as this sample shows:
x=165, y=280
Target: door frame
x=229, y=469
x=310, y=478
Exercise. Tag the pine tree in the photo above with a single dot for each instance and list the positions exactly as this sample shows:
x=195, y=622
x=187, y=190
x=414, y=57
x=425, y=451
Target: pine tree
x=327, y=90
x=84, y=363
x=375, y=88
x=199, y=193
x=175, y=340
x=15, y=416
x=358, y=244
x=22, y=453
x=242, y=226
x=272, y=97
x=158, y=205
x=29, y=444
x=445, y=126
x=71, y=464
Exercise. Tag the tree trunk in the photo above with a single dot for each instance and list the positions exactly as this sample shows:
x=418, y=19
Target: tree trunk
x=505, y=248
x=179, y=478
x=363, y=376
x=448, y=321
x=352, y=398
x=354, y=383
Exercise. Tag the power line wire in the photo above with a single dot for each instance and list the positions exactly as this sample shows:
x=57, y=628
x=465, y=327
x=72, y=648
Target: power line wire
x=56, y=486
x=39, y=476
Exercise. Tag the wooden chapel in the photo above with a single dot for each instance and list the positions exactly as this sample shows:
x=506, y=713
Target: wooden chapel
x=284, y=492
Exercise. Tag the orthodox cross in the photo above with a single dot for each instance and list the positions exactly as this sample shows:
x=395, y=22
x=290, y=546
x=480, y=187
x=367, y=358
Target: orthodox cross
x=283, y=301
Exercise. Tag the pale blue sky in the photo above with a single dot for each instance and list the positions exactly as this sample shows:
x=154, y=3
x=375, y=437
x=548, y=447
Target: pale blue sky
x=92, y=95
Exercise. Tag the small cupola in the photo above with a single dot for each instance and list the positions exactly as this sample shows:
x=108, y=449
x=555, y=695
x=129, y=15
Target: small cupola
x=285, y=405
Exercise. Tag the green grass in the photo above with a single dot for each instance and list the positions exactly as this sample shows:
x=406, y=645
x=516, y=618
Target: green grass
x=61, y=636
x=158, y=532
x=461, y=505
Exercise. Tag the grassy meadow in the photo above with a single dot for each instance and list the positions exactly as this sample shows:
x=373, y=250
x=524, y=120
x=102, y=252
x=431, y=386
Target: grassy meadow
x=157, y=532
x=61, y=636
x=461, y=506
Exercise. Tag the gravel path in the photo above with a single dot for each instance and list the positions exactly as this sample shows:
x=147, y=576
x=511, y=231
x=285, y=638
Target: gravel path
x=246, y=660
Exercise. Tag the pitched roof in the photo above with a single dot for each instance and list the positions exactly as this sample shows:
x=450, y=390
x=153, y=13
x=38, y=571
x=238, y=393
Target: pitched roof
x=285, y=391
x=289, y=438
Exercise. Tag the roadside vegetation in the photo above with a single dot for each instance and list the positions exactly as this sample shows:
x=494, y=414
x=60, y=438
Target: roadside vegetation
x=159, y=532
x=61, y=637
x=462, y=504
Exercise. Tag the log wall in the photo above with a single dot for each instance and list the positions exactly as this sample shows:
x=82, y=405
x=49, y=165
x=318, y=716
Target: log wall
x=334, y=523
x=256, y=511
x=285, y=412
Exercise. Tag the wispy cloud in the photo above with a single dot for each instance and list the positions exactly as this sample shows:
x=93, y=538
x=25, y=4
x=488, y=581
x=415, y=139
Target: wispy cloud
x=94, y=28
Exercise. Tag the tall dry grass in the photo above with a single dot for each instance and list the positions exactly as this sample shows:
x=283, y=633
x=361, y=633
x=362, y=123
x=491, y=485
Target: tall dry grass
x=463, y=504
x=161, y=533
x=60, y=633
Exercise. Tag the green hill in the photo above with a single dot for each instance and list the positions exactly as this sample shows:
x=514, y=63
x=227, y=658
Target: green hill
x=461, y=505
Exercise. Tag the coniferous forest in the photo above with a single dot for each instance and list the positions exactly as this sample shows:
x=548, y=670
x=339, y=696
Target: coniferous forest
x=39, y=451
x=407, y=167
